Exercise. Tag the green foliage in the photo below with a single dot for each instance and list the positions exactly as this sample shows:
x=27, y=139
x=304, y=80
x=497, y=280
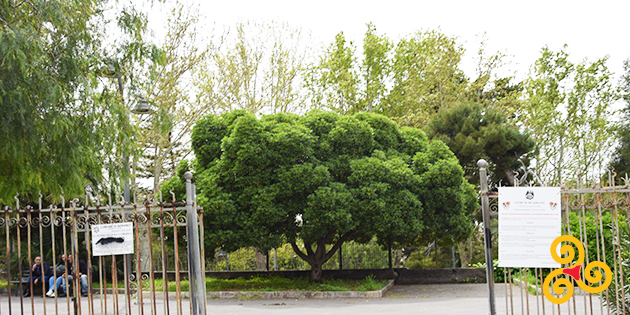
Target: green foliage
x=320, y=178
x=61, y=126
x=176, y=184
x=473, y=132
x=595, y=251
x=568, y=110
x=426, y=77
x=275, y=283
x=610, y=295
x=620, y=163
x=255, y=66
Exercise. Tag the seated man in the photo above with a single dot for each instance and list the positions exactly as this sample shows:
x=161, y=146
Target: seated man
x=54, y=283
x=40, y=273
x=61, y=280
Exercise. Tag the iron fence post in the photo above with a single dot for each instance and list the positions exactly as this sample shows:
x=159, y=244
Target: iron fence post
x=485, y=205
x=196, y=277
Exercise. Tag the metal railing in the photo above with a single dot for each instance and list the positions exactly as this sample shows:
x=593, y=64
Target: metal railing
x=62, y=230
x=597, y=216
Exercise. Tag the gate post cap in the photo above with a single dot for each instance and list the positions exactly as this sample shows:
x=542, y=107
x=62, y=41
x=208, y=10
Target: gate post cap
x=482, y=163
x=188, y=175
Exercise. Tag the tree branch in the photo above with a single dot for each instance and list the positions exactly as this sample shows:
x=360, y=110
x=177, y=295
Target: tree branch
x=335, y=247
x=298, y=252
x=309, y=248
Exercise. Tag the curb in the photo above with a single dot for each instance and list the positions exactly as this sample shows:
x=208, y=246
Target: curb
x=302, y=294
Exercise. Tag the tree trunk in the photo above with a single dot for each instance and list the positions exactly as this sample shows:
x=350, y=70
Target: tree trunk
x=145, y=249
x=261, y=260
x=464, y=253
x=316, y=273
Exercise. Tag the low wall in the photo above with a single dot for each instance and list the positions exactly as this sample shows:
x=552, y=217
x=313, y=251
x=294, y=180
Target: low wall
x=402, y=276
x=437, y=276
x=351, y=274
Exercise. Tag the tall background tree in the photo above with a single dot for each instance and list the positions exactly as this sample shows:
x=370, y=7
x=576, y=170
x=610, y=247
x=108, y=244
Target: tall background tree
x=621, y=158
x=569, y=110
x=326, y=179
x=165, y=134
x=256, y=66
x=473, y=132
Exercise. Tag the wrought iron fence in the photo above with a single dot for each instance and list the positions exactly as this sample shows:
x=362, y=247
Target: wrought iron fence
x=597, y=216
x=135, y=283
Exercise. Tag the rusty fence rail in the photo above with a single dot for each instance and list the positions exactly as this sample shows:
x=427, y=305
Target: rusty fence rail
x=117, y=284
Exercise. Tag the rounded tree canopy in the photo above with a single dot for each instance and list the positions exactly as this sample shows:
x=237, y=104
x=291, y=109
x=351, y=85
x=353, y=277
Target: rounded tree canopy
x=326, y=178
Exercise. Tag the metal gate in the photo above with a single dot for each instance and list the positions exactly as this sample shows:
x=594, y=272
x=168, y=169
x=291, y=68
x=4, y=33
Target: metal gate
x=116, y=284
x=596, y=214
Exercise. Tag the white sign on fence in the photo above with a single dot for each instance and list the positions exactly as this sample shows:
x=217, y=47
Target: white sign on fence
x=112, y=239
x=529, y=220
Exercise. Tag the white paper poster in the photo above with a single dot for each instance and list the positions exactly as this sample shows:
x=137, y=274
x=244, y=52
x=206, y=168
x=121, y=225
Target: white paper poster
x=529, y=220
x=112, y=239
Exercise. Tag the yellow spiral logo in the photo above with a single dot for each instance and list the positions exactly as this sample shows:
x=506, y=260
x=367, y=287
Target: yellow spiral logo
x=592, y=276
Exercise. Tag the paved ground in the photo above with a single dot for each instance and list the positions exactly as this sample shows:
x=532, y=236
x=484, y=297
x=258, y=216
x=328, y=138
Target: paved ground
x=465, y=299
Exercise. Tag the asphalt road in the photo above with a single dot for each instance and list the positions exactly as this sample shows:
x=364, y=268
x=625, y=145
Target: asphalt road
x=465, y=299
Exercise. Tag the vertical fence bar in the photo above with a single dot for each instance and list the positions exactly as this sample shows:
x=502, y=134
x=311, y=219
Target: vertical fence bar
x=505, y=284
x=138, y=260
x=511, y=295
x=167, y=311
x=197, y=287
x=41, y=248
x=151, y=272
x=102, y=281
x=526, y=289
x=115, y=301
x=74, y=242
x=126, y=262
x=487, y=234
x=65, y=253
x=53, y=219
x=88, y=248
x=19, y=250
x=520, y=274
x=600, y=233
x=8, y=254
x=542, y=296
x=177, y=279
x=30, y=257
x=618, y=252
x=202, y=248
x=614, y=248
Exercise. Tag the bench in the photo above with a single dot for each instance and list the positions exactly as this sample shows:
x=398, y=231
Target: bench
x=15, y=285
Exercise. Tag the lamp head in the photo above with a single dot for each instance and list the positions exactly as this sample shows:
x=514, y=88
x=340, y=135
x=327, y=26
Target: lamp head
x=142, y=107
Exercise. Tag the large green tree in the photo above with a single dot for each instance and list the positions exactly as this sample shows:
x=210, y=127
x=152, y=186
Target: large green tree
x=60, y=124
x=325, y=179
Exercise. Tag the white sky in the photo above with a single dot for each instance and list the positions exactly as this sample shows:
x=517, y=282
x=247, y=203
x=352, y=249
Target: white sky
x=518, y=28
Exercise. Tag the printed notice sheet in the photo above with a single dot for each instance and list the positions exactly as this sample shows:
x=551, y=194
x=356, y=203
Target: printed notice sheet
x=529, y=220
x=112, y=239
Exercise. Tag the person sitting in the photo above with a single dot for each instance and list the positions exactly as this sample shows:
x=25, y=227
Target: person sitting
x=54, y=283
x=68, y=273
x=40, y=273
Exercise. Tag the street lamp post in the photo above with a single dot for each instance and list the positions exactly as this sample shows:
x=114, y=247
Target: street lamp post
x=142, y=107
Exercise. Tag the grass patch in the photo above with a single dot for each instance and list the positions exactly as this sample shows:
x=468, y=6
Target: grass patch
x=4, y=284
x=298, y=284
x=262, y=284
x=531, y=280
